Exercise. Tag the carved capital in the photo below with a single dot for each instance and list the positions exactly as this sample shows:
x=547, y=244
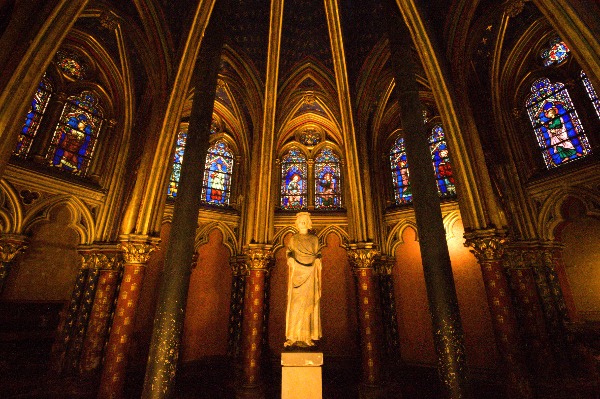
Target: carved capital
x=362, y=257
x=385, y=265
x=11, y=246
x=258, y=257
x=137, y=249
x=487, y=246
x=238, y=265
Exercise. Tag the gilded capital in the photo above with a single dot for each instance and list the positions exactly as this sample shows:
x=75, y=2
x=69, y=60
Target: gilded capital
x=11, y=246
x=101, y=260
x=258, y=257
x=485, y=246
x=385, y=265
x=238, y=265
x=362, y=258
x=137, y=249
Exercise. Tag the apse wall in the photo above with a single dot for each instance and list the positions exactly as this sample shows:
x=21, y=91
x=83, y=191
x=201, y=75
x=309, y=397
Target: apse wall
x=414, y=321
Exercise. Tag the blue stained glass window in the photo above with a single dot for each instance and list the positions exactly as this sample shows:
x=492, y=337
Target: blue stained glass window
x=557, y=127
x=441, y=163
x=75, y=137
x=40, y=101
x=293, y=180
x=402, y=191
x=556, y=53
x=217, y=174
x=591, y=92
x=177, y=161
x=327, y=180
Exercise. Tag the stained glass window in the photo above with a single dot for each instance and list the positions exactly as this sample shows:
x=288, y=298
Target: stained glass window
x=556, y=124
x=441, y=163
x=591, y=92
x=218, y=167
x=327, y=180
x=177, y=161
x=70, y=64
x=402, y=191
x=293, y=180
x=75, y=137
x=556, y=53
x=34, y=117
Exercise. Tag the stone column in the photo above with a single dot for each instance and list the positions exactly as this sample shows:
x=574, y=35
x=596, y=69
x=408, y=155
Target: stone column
x=258, y=263
x=238, y=285
x=362, y=259
x=109, y=265
x=73, y=350
x=529, y=310
x=136, y=252
x=65, y=331
x=384, y=269
x=10, y=246
x=488, y=248
x=441, y=292
x=310, y=192
x=99, y=161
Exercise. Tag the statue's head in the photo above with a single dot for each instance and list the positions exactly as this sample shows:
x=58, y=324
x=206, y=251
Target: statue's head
x=303, y=221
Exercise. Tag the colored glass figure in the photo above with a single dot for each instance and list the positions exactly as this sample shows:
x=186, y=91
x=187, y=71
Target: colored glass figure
x=293, y=180
x=217, y=174
x=556, y=53
x=402, y=191
x=70, y=64
x=76, y=134
x=40, y=101
x=591, y=92
x=177, y=162
x=327, y=180
x=441, y=163
x=557, y=127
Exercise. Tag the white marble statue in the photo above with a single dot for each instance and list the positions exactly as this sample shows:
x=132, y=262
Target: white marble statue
x=303, y=313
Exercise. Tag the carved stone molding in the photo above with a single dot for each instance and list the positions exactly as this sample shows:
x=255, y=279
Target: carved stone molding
x=258, y=257
x=137, y=248
x=486, y=245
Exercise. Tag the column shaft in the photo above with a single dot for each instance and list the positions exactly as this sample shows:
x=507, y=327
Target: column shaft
x=172, y=298
x=136, y=252
x=441, y=293
x=488, y=248
x=238, y=285
x=93, y=345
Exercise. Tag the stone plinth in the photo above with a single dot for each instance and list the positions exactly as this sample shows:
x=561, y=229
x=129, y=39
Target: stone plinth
x=301, y=375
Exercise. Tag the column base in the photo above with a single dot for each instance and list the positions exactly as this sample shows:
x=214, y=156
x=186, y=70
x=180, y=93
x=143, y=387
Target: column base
x=301, y=375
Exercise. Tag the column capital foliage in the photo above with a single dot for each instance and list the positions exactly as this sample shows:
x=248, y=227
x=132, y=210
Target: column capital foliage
x=138, y=248
x=10, y=246
x=486, y=245
x=362, y=257
x=258, y=257
x=238, y=265
x=385, y=265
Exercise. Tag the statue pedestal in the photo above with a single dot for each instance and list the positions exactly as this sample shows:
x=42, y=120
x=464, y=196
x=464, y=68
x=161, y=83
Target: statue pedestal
x=301, y=375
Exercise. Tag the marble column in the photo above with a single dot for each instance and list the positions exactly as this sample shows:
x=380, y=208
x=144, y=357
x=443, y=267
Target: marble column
x=362, y=260
x=136, y=252
x=488, y=248
x=530, y=313
x=238, y=285
x=439, y=281
x=384, y=269
x=109, y=265
x=10, y=246
x=258, y=264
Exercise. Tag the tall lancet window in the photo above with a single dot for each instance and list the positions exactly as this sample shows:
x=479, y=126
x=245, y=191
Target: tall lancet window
x=557, y=127
x=40, y=101
x=74, y=140
x=293, y=180
x=327, y=180
x=591, y=92
x=177, y=162
x=402, y=191
x=441, y=163
x=218, y=167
